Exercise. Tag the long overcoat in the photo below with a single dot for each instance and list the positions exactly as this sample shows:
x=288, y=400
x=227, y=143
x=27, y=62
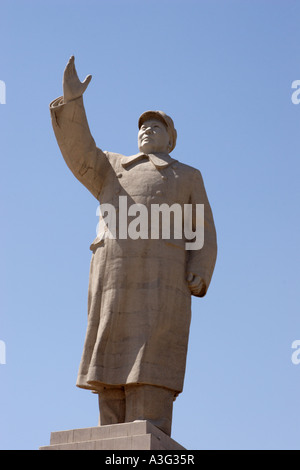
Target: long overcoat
x=139, y=302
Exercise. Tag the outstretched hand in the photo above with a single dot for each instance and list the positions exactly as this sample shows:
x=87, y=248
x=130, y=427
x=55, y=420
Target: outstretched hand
x=72, y=87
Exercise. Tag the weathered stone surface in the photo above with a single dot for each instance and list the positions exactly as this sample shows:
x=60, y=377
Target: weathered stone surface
x=140, y=288
x=140, y=435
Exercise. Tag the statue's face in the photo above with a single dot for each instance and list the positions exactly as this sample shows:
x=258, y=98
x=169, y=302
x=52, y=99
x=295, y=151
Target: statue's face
x=153, y=137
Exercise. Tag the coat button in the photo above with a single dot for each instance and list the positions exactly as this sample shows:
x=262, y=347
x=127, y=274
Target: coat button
x=158, y=193
x=119, y=175
x=163, y=177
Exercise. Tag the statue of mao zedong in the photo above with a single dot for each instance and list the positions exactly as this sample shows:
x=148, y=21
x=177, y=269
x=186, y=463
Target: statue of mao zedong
x=140, y=288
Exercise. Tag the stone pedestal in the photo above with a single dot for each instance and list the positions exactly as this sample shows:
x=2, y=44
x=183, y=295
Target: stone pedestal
x=139, y=435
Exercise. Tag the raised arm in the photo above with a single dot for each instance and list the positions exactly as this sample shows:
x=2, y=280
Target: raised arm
x=87, y=162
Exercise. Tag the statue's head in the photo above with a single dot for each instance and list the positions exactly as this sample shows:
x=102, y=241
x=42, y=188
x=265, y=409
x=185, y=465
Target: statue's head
x=156, y=133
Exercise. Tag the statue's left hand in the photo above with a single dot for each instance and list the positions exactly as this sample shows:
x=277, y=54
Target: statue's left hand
x=72, y=87
x=196, y=284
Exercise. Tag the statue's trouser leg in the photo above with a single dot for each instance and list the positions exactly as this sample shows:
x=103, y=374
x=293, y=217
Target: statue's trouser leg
x=111, y=405
x=151, y=403
x=137, y=402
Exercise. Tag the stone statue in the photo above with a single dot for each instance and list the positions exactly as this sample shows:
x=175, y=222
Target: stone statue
x=139, y=295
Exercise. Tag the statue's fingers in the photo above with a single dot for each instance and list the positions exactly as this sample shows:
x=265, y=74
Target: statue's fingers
x=198, y=289
x=201, y=285
x=70, y=67
x=67, y=71
x=194, y=283
x=197, y=283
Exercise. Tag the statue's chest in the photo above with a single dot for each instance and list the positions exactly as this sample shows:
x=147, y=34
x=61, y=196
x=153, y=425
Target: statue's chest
x=143, y=183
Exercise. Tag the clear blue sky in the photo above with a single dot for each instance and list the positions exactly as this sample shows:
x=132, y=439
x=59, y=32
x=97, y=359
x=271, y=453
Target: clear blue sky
x=223, y=71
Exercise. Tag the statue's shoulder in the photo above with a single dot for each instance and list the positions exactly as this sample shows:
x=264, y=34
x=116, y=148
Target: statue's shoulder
x=185, y=169
x=113, y=155
x=114, y=158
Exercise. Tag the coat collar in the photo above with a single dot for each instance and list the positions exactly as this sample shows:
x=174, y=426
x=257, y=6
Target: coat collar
x=159, y=160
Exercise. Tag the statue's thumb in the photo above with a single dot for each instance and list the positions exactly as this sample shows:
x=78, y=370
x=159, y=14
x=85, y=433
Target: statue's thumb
x=87, y=80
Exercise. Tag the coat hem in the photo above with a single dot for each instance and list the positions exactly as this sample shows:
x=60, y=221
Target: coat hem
x=96, y=385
